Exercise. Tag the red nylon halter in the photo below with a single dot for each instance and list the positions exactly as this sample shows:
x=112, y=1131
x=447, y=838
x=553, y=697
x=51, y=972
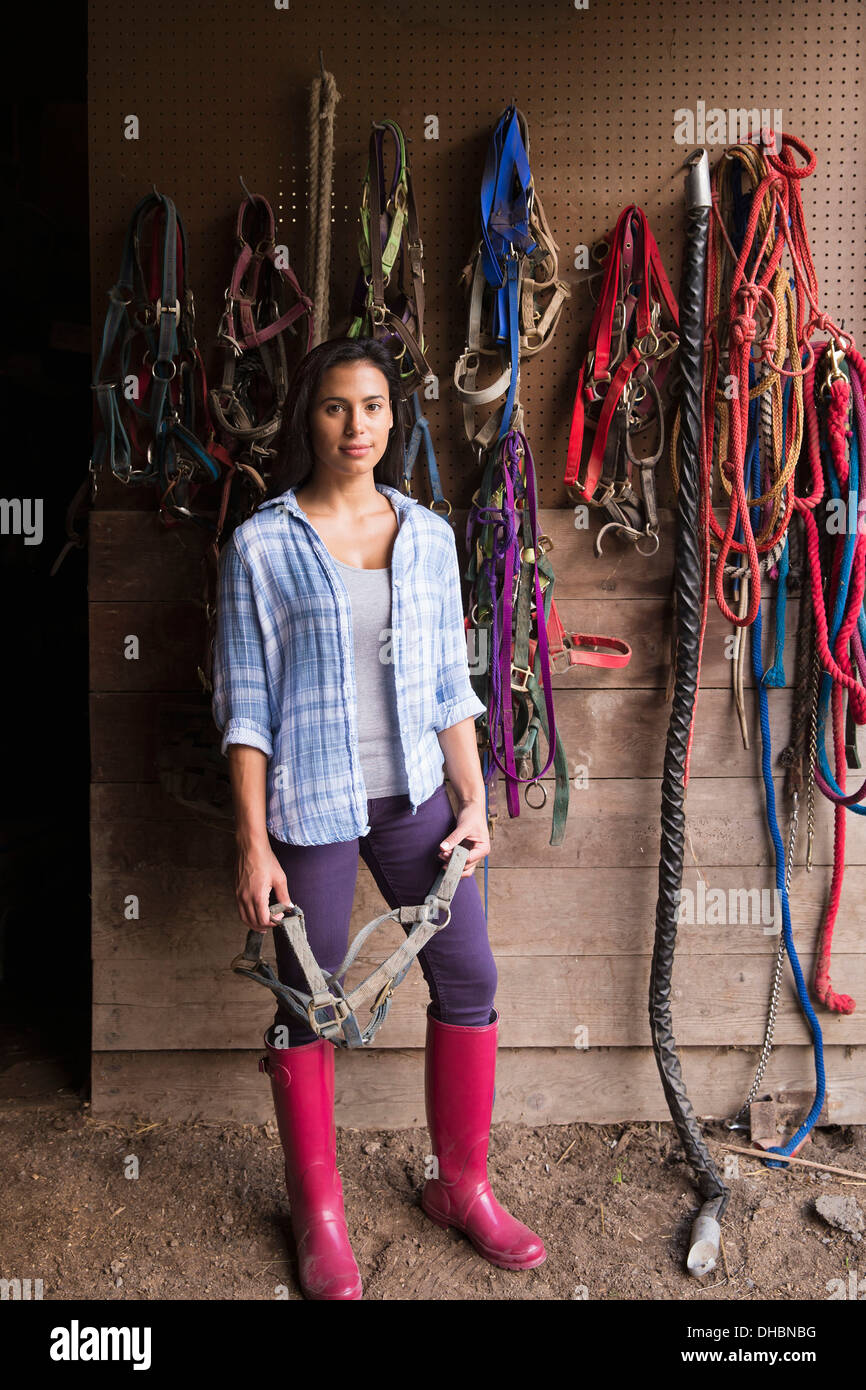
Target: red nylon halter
x=652, y=277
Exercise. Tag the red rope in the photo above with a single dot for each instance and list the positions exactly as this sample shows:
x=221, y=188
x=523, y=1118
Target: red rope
x=837, y=663
x=777, y=196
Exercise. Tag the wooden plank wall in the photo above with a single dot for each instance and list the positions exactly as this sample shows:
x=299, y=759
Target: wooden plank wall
x=174, y=1033
x=571, y=927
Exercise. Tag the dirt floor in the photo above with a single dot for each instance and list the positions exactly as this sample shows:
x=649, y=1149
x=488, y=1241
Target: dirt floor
x=207, y=1216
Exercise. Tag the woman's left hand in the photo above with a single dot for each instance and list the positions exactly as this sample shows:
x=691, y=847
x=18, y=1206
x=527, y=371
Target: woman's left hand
x=470, y=830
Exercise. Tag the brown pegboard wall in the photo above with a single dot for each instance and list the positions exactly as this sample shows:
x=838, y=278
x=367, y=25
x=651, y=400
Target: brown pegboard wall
x=221, y=90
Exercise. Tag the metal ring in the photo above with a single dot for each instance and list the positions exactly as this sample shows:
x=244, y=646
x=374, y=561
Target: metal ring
x=447, y=919
x=543, y=802
x=654, y=536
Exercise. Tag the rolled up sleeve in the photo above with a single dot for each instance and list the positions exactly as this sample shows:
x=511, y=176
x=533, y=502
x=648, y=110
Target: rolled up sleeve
x=241, y=707
x=455, y=698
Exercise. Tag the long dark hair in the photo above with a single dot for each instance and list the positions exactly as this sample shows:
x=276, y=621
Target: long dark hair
x=295, y=461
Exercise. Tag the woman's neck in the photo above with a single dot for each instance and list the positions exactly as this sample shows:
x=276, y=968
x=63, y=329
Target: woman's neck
x=355, y=498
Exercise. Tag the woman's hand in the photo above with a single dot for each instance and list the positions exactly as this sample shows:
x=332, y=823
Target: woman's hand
x=259, y=872
x=470, y=830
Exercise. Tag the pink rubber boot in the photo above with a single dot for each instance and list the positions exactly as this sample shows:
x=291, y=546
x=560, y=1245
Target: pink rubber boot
x=302, y=1081
x=459, y=1075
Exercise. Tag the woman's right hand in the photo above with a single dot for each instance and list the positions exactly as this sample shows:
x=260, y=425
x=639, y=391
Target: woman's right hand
x=258, y=872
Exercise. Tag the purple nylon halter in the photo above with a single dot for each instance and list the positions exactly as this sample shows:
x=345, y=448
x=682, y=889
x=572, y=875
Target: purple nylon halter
x=507, y=547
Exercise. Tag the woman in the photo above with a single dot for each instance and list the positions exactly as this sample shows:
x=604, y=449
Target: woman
x=336, y=741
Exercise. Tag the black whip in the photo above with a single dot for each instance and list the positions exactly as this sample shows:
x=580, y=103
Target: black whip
x=705, y=1235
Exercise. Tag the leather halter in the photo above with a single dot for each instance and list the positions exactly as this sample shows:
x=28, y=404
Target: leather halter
x=400, y=325
x=154, y=406
x=618, y=388
x=389, y=229
x=263, y=303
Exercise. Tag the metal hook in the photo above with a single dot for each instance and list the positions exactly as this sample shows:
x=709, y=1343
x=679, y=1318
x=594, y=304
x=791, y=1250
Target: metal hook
x=692, y=159
x=251, y=196
x=159, y=195
x=322, y=65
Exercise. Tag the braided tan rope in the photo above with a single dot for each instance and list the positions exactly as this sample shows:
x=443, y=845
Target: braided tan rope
x=321, y=113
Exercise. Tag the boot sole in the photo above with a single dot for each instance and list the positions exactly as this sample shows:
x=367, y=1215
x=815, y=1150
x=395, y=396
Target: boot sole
x=481, y=1248
x=332, y=1298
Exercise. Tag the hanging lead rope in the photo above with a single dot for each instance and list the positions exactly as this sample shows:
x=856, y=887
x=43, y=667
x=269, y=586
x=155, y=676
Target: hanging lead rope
x=706, y=1231
x=782, y=874
x=322, y=111
x=758, y=409
x=840, y=623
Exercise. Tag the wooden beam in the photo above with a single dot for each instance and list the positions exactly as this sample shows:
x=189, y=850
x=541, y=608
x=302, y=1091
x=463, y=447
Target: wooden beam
x=384, y=1089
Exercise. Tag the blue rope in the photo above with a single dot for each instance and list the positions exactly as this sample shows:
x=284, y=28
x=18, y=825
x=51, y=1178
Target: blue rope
x=775, y=675
x=772, y=821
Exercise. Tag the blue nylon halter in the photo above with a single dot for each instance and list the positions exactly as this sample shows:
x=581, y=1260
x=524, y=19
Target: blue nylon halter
x=506, y=202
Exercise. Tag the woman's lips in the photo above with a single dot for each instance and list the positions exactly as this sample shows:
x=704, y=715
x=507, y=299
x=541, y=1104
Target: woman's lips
x=345, y=449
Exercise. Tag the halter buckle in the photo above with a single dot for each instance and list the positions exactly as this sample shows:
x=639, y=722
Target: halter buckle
x=384, y=993
x=340, y=1007
x=160, y=309
x=518, y=671
x=641, y=344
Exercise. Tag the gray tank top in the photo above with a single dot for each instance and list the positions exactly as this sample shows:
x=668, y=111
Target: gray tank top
x=379, y=746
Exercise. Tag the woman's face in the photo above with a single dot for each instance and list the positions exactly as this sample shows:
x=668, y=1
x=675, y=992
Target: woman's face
x=350, y=418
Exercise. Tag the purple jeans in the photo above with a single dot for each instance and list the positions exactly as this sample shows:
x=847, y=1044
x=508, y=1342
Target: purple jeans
x=401, y=852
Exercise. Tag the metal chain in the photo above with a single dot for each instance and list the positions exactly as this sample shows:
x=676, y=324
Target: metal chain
x=777, y=980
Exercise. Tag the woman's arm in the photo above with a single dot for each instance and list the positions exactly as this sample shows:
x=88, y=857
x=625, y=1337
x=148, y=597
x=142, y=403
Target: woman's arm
x=241, y=705
x=457, y=709
x=241, y=710
x=462, y=764
x=455, y=699
x=464, y=773
x=258, y=869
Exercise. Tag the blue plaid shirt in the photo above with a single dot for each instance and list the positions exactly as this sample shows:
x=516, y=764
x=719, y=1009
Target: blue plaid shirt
x=284, y=666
